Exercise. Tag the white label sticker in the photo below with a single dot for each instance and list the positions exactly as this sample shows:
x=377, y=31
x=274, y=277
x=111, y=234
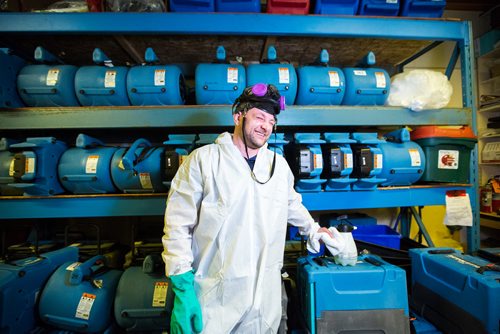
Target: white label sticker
x=378, y=161
x=160, y=77
x=110, y=79
x=11, y=167
x=29, y=166
x=359, y=72
x=380, y=78
x=145, y=181
x=334, y=78
x=318, y=161
x=391, y=1
x=52, y=77
x=160, y=294
x=415, y=157
x=232, y=75
x=91, y=164
x=284, y=75
x=348, y=160
x=85, y=306
x=448, y=159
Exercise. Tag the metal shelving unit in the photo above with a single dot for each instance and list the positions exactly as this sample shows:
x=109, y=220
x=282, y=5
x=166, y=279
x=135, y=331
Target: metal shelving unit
x=396, y=41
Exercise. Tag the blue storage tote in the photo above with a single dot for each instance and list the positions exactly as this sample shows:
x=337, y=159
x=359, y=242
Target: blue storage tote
x=378, y=234
x=238, y=6
x=457, y=293
x=422, y=8
x=368, y=297
x=379, y=7
x=336, y=7
x=191, y=5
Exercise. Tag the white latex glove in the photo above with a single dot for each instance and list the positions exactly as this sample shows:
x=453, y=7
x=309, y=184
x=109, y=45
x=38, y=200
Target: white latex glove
x=335, y=245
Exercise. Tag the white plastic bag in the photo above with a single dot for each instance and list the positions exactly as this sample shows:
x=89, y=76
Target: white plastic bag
x=419, y=90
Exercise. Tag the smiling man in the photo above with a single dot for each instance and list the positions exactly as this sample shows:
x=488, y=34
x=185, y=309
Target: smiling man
x=225, y=225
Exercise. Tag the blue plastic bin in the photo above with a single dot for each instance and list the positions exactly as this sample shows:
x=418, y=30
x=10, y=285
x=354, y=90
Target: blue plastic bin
x=191, y=5
x=336, y=7
x=378, y=234
x=379, y=7
x=237, y=6
x=422, y=8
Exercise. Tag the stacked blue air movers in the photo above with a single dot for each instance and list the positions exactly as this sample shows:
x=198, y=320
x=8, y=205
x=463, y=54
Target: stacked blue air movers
x=49, y=83
x=366, y=85
x=338, y=159
x=11, y=65
x=309, y=162
x=455, y=292
x=20, y=284
x=79, y=296
x=177, y=149
x=85, y=169
x=102, y=84
x=370, y=297
x=152, y=84
x=403, y=160
x=35, y=166
x=219, y=82
x=148, y=305
x=368, y=161
x=320, y=84
x=283, y=76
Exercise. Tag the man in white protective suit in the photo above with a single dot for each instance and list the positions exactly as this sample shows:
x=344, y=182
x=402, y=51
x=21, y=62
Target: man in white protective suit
x=225, y=225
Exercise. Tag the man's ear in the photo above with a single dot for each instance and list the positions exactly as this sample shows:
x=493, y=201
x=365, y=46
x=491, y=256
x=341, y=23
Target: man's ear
x=237, y=117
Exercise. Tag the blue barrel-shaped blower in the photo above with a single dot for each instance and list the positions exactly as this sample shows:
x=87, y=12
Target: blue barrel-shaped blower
x=367, y=86
x=219, y=82
x=86, y=169
x=49, y=83
x=20, y=284
x=309, y=162
x=11, y=65
x=177, y=149
x=102, y=84
x=404, y=160
x=151, y=84
x=368, y=160
x=148, y=305
x=339, y=161
x=79, y=296
x=320, y=84
x=138, y=168
x=35, y=166
x=283, y=76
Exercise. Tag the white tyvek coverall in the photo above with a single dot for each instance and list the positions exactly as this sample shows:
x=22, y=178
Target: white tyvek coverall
x=231, y=230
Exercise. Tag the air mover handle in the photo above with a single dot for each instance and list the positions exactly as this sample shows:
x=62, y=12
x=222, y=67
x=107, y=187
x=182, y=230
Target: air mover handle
x=84, y=269
x=128, y=160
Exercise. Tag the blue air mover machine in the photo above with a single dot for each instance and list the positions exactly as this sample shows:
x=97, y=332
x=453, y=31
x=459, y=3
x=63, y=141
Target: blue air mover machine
x=309, y=162
x=9, y=69
x=49, y=83
x=35, y=166
x=457, y=293
x=219, y=82
x=7, y=168
x=277, y=142
x=191, y=5
x=138, y=168
x=336, y=7
x=148, y=305
x=21, y=282
x=379, y=7
x=422, y=8
x=368, y=160
x=370, y=297
x=404, y=160
x=102, y=84
x=79, y=296
x=178, y=148
x=238, y=6
x=283, y=76
x=338, y=161
x=320, y=84
x=365, y=85
x=205, y=139
x=86, y=169
x=155, y=84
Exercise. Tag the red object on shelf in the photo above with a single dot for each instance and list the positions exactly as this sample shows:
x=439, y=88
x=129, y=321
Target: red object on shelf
x=94, y=5
x=486, y=199
x=288, y=6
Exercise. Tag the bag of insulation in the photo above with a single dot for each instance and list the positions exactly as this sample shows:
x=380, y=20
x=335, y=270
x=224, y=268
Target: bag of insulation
x=419, y=90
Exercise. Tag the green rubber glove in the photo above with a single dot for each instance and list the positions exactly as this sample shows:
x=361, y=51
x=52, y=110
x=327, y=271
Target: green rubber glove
x=186, y=315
